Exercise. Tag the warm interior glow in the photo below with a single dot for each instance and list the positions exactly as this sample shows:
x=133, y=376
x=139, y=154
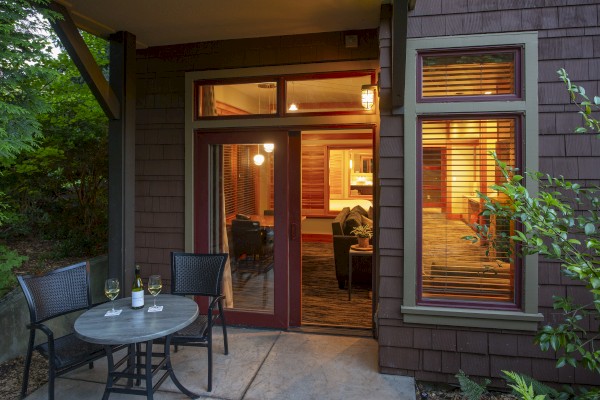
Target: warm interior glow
x=293, y=107
x=269, y=147
x=259, y=159
x=455, y=166
x=367, y=96
x=469, y=74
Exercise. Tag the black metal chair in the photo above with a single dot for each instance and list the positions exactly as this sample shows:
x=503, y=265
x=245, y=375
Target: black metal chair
x=200, y=275
x=249, y=241
x=57, y=293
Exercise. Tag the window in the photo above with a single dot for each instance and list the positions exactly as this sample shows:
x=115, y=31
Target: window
x=460, y=74
x=236, y=99
x=326, y=94
x=455, y=165
x=309, y=94
x=474, y=94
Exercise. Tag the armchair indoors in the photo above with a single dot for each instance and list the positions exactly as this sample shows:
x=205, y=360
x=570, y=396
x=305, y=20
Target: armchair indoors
x=57, y=293
x=200, y=275
x=250, y=242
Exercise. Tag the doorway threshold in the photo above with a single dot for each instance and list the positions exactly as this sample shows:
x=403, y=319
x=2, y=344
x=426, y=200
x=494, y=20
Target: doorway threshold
x=334, y=330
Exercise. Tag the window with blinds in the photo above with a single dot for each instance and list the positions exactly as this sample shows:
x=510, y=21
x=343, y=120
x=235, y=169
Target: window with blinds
x=240, y=179
x=455, y=164
x=486, y=74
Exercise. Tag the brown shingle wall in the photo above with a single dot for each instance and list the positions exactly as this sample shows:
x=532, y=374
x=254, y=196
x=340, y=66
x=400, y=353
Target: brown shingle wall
x=160, y=121
x=569, y=37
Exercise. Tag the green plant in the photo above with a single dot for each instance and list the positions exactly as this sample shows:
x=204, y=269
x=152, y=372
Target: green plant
x=561, y=222
x=471, y=389
x=523, y=389
x=9, y=260
x=363, y=231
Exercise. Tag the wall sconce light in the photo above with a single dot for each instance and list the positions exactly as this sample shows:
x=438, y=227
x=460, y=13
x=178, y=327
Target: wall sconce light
x=367, y=97
x=269, y=147
x=259, y=159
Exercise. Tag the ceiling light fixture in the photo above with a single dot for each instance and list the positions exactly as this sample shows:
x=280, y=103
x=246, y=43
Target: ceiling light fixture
x=269, y=147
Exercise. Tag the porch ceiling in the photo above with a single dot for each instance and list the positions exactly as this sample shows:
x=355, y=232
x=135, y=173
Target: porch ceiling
x=158, y=22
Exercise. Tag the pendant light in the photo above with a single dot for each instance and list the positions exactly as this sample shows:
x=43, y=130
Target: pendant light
x=259, y=159
x=293, y=106
x=269, y=147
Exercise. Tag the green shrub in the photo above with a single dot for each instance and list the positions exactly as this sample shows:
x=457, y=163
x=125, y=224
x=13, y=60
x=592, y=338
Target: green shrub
x=9, y=260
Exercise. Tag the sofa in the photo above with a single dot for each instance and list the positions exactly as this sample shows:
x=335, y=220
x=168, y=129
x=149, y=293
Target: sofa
x=341, y=227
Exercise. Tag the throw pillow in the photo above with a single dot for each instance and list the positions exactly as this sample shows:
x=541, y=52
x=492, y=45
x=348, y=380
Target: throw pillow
x=360, y=210
x=353, y=220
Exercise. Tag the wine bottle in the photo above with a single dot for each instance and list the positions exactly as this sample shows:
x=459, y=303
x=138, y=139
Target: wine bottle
x=137, y=291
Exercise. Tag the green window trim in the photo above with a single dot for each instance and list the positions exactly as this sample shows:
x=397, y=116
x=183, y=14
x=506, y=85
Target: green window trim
x=529, y=317
x=475, y=318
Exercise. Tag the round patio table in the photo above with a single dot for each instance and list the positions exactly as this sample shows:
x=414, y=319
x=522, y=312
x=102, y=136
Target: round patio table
x=133, y=327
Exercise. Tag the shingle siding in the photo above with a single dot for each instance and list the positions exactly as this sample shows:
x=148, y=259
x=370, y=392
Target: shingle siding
x=569, y=37
x=160, y=134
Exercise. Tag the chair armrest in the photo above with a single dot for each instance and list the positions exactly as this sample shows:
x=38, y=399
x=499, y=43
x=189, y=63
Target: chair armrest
x=214, y=301
x=47, y=331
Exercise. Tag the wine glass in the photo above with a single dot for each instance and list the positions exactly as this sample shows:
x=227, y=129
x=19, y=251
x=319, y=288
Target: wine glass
x=154, y=287
x=111, y=290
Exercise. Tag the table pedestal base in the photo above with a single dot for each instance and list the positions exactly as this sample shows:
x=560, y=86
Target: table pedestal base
x=133, y=370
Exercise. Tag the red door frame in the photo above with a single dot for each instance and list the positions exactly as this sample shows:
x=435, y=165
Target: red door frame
x=287, y=222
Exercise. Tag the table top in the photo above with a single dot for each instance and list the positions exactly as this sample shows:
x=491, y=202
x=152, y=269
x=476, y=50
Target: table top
x=133, y=326
x=361, y=252
x=266, y=221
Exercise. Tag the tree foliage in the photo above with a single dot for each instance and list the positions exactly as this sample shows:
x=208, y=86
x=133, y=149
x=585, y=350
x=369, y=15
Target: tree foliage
x=59, y=188
x=23, y=51
x=561, y=223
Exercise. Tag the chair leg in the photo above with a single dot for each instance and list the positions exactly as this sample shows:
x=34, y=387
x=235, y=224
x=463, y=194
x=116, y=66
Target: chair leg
x=27, y=364
x=224, y=326
x=51, y=376
x=210, y=360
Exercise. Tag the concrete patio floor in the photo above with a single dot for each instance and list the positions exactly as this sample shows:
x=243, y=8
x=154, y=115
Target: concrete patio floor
x=262, y=365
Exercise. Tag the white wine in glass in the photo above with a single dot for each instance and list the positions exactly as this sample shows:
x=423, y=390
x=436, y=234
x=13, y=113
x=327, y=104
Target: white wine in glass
x=154, y=287
x=112, y=290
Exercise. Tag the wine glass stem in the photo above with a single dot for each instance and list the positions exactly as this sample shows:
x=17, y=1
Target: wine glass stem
x=154, y=301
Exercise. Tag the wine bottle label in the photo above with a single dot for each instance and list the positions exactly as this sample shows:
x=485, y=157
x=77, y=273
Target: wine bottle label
x=137, y=299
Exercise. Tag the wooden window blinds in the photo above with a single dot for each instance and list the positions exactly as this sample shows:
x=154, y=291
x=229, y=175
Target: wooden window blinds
x=469, y=74
x=456, y=164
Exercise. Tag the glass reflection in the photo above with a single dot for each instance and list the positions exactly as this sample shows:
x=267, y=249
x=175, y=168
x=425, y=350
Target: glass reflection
x=247, y=200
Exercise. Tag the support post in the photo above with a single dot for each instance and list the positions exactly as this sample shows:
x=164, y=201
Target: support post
x=121, y=161
x=399, y=33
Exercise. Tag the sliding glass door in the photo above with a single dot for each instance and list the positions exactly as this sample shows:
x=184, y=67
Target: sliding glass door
x=241, y=209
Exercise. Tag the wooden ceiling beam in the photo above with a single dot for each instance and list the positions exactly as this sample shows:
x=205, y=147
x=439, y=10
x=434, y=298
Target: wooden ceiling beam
x=82, y=57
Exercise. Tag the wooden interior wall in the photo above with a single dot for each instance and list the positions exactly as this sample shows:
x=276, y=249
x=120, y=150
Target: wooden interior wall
x=314, y=160
x=336, y=174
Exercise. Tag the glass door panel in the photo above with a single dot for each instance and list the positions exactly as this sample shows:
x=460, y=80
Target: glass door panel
x=249, y=209
x=243, y=190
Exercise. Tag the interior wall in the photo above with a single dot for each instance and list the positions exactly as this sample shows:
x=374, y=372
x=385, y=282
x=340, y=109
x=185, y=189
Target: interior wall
x=317, y=226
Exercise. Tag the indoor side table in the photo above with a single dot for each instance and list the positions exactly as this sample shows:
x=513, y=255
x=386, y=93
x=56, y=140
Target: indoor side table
x=356, y=253
x=133, y=327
